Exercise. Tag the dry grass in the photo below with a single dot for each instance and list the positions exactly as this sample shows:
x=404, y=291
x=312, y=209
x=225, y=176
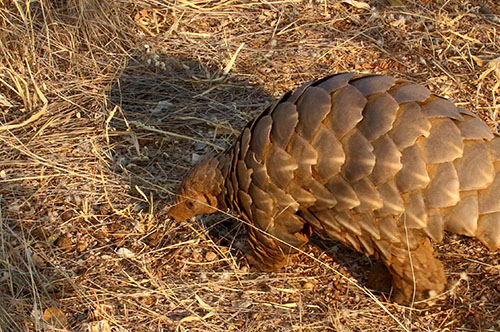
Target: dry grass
x=104, y=103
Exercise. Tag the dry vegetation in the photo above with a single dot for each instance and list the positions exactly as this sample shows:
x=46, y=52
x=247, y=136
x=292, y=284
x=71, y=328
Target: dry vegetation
x=105, y=103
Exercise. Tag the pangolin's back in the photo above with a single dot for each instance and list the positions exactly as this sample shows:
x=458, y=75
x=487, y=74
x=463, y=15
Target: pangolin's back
x=367, y=159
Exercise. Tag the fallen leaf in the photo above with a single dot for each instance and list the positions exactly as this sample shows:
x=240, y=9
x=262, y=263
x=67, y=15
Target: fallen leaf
x=189, y=319
x=477, y=60
x=55, y=317
x=100, y=326
x=495, y=65
x=399, y=22
x=357, y=4
x=396, y=3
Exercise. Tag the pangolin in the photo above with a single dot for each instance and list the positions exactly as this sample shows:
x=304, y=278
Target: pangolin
x=380, y=164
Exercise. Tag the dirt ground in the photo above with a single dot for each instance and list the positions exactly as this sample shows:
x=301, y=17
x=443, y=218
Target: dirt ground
x=105, y=104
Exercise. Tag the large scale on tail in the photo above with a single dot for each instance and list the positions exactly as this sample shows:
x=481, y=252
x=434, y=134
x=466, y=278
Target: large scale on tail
x=379, y=164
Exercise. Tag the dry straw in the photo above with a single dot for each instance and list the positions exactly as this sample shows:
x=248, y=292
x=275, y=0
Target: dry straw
x=103, y=106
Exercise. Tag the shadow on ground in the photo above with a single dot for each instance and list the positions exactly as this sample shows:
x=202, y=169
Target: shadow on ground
x=171, y=113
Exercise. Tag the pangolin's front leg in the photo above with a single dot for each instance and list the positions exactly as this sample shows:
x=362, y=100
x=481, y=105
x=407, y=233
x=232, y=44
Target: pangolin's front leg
x=273, y=245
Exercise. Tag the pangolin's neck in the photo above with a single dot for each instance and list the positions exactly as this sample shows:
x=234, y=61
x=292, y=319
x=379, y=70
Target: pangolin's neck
x=225, y=198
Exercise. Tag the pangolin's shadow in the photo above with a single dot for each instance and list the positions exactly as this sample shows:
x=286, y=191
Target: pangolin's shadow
x=173, y=110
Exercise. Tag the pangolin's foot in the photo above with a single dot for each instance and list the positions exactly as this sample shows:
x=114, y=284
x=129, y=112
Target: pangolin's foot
x=265, y=265
x=418, y=278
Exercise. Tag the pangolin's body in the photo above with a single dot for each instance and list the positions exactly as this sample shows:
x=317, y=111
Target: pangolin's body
x=379, y=164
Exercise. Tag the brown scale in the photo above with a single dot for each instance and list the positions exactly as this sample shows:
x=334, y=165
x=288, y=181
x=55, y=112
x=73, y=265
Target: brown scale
x=380, y=164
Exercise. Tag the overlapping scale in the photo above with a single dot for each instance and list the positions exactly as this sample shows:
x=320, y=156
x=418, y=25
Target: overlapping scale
x=346, y=110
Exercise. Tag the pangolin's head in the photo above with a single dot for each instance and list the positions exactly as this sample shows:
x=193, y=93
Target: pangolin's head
x=198, y=191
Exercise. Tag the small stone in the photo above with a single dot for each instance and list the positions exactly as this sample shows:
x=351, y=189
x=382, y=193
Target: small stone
x=125, y=253
x=162, y=104
x=195, y=158
x=39, y=233
x=308, y=285
x=226, y=276
x=81, y=246
x=4, y=276
x=37, y=260
x=67, y=215
x=210, y=256
x=243, y=304
x=198, y=146
x=484, y=9
x=154, y=238
x=64, y=242
x=101, y=233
